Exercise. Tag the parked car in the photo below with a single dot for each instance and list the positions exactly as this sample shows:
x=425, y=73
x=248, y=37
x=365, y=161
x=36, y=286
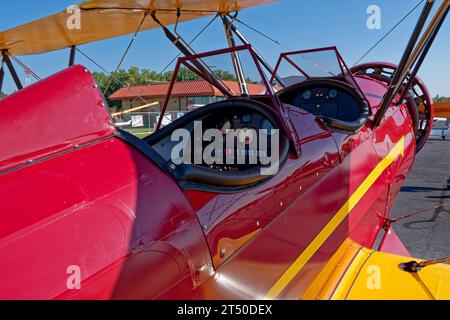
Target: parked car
x=440, y=129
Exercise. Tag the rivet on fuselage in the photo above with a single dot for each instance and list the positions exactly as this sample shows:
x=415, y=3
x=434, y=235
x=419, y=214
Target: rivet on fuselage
x=281, y=203
x=258, y=224
x=317, y=174
x=222, y=253
x=30, y=161
x=205, y=227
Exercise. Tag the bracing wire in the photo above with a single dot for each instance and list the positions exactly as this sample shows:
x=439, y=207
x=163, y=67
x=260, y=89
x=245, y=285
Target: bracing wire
x=388, y=33
x=363, y=56
x=190, y=43
x=127, y=50
x=25, y=67
x=112, y=75
x=262, y=34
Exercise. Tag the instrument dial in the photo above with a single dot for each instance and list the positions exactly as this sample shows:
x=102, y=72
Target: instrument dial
x=333, y=94
x=307, y=95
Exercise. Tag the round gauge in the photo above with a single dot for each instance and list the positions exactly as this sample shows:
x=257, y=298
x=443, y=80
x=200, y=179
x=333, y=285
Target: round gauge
x=307, y=95
x=333, y=94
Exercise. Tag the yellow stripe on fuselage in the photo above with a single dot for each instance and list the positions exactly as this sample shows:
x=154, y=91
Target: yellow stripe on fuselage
x=314, y=246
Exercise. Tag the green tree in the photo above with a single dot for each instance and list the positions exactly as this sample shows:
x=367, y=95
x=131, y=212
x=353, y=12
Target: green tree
x=123, y=78
x=134, y=76
x=441, y=99
x=225, y=75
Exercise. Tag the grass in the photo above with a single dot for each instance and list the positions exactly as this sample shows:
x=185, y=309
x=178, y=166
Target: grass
x=140, y=133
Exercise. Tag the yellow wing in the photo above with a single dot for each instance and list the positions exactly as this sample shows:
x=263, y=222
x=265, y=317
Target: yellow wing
x=358, y=273
x=103, y=19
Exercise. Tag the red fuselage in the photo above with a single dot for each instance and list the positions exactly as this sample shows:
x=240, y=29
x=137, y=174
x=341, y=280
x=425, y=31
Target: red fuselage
x=75, y=194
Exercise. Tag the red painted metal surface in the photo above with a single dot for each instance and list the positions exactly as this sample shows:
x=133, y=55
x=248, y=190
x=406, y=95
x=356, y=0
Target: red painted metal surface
x=425, y=108
x=52, y=116
x=108, y=209
x=231, y=220
x=97, y=208
x=392, y=244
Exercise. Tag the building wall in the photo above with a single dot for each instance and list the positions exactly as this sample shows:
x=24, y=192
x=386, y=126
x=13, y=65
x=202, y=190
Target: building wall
x=175, y=103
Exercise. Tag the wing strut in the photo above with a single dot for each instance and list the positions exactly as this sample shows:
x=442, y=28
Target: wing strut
x=235, y=57
x=198, y=63
x=73, y=51
x=261, y=60
x=7, y=61
x=424, y=54
x=2, y=76
x=414, y=55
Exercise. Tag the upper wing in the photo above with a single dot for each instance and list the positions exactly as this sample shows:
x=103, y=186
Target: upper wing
x=104, y=19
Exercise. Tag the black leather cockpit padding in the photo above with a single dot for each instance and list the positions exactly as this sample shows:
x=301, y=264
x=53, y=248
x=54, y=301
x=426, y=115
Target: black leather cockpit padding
x=204, y=175
x=141, y=146
x=189, y=173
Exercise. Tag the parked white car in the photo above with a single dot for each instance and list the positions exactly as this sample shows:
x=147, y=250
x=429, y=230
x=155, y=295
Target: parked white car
x=440, y=129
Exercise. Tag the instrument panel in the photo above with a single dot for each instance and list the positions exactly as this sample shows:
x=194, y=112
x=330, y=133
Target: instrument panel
x=250, y=125
x=327, y=101
x=242, y=121
x=240, y=129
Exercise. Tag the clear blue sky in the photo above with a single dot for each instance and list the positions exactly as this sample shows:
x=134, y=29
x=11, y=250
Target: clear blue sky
x=299, y=24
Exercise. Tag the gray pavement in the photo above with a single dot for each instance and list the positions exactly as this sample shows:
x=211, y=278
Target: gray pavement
x=427, y=235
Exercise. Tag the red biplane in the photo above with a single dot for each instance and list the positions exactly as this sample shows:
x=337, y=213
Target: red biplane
x=90, y=211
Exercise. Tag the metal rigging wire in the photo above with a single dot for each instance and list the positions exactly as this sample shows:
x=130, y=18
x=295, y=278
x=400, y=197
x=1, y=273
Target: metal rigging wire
x=389, y=32
x=127, y=50
x=363, y=56
x=24, y=67
x=262, y=34
x=315, y=64
x=112, y=75
x=190, y=43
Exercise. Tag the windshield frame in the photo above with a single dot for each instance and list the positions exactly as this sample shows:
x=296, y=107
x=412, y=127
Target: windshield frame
x=278, y=107
x=345, y=71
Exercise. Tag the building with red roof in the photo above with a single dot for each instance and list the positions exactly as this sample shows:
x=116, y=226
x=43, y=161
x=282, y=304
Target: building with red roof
x=185, y=95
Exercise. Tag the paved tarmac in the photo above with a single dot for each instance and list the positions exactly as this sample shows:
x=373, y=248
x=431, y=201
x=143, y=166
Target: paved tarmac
x=427, y=235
